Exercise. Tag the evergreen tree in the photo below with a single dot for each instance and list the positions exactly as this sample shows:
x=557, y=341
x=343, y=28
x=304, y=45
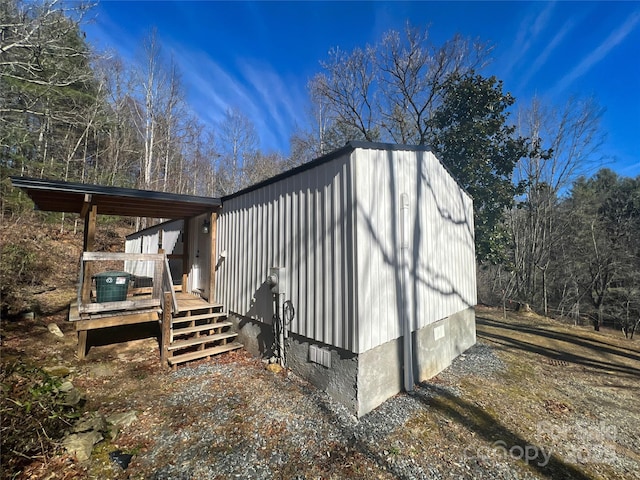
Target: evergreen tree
x=470, y=134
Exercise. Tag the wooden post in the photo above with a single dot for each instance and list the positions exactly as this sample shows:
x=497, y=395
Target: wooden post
x=86, y=205
x=82, y=344
x=186, y=267
x=88, y=246
x=158, y=270
x=165, y=338
x=212, y=256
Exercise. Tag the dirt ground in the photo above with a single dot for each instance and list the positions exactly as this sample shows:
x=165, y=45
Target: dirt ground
x=534, y=399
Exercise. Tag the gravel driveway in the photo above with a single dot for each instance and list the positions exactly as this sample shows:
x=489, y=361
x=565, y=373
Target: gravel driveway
x=264, y=426
x=530, y=400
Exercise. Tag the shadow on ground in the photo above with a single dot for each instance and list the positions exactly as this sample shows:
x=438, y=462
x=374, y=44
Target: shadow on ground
x=591, y=353
x=492, y=430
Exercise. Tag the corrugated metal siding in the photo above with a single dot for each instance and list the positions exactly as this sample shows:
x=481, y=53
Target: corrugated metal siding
x=336, y=229
x=301, y=223
x=142, y=242
x=442, y=256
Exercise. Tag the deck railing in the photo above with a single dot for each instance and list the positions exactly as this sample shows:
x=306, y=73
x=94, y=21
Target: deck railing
x=167, y=284
x=162, y=282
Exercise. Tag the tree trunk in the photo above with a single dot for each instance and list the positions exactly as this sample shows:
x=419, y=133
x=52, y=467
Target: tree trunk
x=544, y=292
x=598, y=321
x=633, y=329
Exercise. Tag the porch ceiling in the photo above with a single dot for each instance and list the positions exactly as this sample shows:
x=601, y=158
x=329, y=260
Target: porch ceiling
x=59, y=196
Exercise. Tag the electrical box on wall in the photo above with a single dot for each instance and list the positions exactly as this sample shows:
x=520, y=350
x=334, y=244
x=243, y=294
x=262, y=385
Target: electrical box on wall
x=276, y=280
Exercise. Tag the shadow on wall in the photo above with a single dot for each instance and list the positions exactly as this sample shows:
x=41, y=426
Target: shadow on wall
x=327, y=311
x=391, y=254
x=316, y=226
x=408, y=284
x=258, y=333
x=261, y=302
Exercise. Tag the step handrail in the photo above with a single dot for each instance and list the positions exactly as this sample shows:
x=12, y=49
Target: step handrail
x=167, y=284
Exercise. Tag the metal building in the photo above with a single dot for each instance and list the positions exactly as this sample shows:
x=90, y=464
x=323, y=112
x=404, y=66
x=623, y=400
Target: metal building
x=370, y=242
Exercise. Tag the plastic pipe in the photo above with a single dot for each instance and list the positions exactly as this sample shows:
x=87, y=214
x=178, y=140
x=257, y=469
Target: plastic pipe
x=405, y=314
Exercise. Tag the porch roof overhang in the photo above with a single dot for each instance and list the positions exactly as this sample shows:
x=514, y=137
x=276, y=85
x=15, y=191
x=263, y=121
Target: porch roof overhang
x=59, y=196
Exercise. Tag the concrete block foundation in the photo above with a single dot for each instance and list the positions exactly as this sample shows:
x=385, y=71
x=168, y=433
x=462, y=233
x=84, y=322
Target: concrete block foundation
x=363, y=381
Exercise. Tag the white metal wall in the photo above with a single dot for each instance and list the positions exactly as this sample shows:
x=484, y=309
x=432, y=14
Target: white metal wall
x=302, y=223
x=141, y=242
x=335, y=228
x=441, y=243
x=147, y=241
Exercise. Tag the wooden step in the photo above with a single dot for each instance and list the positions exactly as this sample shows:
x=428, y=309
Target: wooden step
x=200, y=328
x=186, y=306
x=207, y=352
x=178, y=344
x=203, y=316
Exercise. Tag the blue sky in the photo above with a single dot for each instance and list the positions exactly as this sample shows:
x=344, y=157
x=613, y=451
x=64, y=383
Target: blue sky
x=259, y=56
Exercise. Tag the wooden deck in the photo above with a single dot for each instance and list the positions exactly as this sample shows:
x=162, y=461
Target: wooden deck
x=195, y=318
x=105, y=319
x=187, y=301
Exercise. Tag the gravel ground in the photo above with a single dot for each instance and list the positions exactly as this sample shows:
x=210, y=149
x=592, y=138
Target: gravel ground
x=264, y=426
x=230, y=417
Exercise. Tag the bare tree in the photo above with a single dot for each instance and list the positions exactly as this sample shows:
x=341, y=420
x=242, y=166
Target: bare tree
x=148, y=107
x=237, y=142
x=566, y=143
x=260, y=166
x=388, y=91
x=51, y=102
x=317, y=140
x=44, y=73
x=413, y=71
x=40, y=44
x=196, y=173
x=346, y=88
x=119, y=159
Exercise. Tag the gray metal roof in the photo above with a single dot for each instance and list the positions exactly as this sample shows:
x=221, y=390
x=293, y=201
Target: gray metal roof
x=59, y=196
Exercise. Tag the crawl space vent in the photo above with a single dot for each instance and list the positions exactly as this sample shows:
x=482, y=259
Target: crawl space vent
x=320, y=355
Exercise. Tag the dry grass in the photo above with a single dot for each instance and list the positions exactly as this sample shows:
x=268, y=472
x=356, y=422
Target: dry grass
x=567, y=392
